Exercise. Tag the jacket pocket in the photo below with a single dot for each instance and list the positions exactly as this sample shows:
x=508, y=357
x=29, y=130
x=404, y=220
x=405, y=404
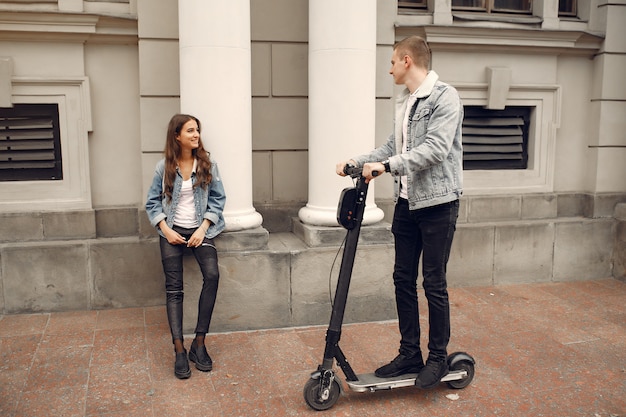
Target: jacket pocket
x=418, y=126
x=420, y=114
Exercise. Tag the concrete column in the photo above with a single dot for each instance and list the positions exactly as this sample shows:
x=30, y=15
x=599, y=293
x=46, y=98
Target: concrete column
x=607, y=141
x=342, y=81
x=215, y=86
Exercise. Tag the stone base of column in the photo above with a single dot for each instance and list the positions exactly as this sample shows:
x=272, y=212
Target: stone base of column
x=319, y=236
x=242, y=220
x=327, y=216
x=243, y=240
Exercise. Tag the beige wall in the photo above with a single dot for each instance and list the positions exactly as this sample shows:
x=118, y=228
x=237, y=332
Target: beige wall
x=114, y=147
x=131, y=62
x=159, y=87
x=279, y=32
x=115, y=67
x=573, y=156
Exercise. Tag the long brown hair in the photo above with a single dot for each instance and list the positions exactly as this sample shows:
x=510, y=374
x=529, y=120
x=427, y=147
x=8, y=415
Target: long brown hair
x=172, y=153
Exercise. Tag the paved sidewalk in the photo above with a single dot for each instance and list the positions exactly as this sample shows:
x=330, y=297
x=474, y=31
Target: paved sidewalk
x=546, y=349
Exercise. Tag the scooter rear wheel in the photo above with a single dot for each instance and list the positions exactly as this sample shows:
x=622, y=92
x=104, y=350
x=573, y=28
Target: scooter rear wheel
x=312, y=395
x=462, y=365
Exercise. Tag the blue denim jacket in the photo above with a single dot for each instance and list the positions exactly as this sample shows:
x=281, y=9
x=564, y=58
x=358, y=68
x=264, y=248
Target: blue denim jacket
x=209, y=203
x=434, y=163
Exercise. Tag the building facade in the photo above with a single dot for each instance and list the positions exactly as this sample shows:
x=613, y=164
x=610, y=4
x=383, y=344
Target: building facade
x=285, y=89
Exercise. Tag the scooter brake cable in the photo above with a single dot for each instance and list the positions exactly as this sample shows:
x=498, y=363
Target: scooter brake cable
x=330, y=274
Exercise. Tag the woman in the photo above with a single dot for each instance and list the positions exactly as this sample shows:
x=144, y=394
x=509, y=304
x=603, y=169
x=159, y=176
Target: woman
x=185, y=204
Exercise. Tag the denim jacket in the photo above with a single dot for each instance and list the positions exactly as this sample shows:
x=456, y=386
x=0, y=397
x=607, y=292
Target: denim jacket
x=434, y=161
x=209, y=203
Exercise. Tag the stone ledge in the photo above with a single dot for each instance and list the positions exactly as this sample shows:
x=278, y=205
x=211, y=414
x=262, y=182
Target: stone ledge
x=286, y=283
x=620, y=211
x=322, y=236
x=47, y=226
x=117, y=221
x=244, y=240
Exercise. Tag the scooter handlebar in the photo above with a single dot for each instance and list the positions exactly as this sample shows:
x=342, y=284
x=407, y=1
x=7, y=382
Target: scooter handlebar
x=354, y=171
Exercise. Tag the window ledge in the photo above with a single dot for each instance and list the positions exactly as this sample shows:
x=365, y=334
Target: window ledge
x=490, y=37
x=505, y=18
x=413, y=12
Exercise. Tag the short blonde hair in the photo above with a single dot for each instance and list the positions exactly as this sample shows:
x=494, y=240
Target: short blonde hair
x=415, y=47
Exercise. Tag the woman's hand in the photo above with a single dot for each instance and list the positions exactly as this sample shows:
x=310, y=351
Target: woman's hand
x=197, y=238
x=172, y=236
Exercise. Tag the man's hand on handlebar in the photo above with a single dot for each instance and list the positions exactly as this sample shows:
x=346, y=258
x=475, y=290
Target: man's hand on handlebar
x=340, y=168
x=372, y=170
x=369, y=172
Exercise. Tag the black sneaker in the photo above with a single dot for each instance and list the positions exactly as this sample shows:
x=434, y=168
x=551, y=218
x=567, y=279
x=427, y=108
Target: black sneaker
x=400, y=365
x=181, y=366
x=432, y=373
x=200, y=357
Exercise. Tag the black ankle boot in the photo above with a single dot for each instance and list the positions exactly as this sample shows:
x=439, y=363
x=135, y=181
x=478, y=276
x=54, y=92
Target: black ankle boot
x=181, y=366
x=200, y=357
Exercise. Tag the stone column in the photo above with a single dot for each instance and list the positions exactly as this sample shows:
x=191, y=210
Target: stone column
x=215, y=86
x=607, y=141
x=342, y=81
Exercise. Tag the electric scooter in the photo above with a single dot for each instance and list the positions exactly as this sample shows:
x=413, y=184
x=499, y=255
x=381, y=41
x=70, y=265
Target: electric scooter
x=323, y=388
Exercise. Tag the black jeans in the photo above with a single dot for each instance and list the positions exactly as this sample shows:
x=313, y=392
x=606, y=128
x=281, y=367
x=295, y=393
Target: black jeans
x=427, y=232
x=172, y=259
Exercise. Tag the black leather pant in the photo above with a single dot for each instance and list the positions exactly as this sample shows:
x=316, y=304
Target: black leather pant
x=172, y=259
x=427, y=232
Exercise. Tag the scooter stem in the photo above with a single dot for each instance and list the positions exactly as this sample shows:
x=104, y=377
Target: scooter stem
x=332, y=350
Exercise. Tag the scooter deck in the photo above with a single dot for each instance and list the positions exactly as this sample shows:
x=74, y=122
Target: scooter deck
x=371, y=383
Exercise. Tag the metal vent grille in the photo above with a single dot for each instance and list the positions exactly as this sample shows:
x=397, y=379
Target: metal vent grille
x=495, y=139
x=30, y=145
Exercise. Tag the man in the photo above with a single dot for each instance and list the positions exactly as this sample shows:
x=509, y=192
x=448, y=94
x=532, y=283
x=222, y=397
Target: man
x=425, y=156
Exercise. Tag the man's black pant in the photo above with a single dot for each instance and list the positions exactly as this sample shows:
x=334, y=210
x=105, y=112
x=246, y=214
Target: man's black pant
x=427, y=232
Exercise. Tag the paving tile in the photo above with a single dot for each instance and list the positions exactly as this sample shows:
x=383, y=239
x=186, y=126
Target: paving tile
x=54, y=368
x=545, y=349
x=190, y=397
x=529, y=293
x=282, y=353
x=120, y=345
x=17, y=325
x=369, y=347
x=17, y=353
x=123, y=388
x=11, y=386
x=120, y=318
x=72, y=322
x=160, y=353
x=156, y=316
x=62, y=401
x=573, y=402
x=72, y=339
x=234, y=360
x=127, y=413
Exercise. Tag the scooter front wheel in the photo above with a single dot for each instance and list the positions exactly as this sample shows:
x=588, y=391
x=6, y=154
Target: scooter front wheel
x=314, y=399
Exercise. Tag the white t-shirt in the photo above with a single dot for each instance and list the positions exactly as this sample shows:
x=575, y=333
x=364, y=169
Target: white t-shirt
x=405, y=122
x=185, y=210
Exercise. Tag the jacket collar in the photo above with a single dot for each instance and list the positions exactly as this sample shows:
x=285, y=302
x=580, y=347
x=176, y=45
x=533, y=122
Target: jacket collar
x=424, y=89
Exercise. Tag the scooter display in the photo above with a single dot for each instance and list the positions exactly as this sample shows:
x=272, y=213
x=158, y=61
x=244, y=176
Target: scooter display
x=323, y=389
